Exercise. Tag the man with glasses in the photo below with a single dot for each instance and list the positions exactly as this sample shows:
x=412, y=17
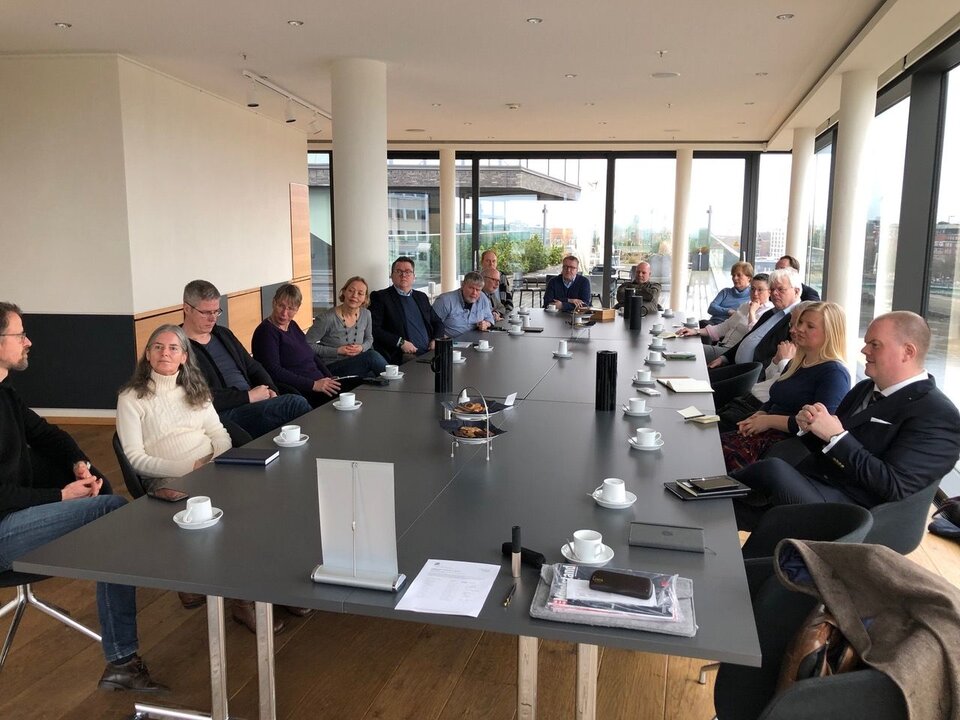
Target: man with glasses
x=404, y=323
x=568, y=290
x=465, y=309
x=46, y=491
x=734, y=328
x=806, y=292
x=243, y=391
x=488, y=262
x=491, y=288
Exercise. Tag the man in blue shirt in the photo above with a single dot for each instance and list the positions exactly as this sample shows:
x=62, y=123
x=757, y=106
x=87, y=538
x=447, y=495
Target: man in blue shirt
x=568, y=290
x=465, y=309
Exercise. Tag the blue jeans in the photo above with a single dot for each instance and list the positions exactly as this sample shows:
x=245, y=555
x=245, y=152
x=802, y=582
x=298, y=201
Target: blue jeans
x=25, y=530
x=369, y=363
x=261, y=417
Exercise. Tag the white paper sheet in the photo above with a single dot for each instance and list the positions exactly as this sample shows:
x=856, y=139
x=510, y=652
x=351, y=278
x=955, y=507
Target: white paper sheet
x=450, y=587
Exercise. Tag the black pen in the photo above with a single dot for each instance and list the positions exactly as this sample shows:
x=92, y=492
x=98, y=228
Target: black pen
x=509, y=597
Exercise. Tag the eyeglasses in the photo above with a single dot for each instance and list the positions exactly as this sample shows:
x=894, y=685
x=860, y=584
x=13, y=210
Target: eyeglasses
x=21, y=335
x=209, y=314
x=160, y=347
x=571, y=267
x=403, y=273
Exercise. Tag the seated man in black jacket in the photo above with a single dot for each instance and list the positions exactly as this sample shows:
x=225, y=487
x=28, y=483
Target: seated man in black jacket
x=404, y=323
x=243, y=392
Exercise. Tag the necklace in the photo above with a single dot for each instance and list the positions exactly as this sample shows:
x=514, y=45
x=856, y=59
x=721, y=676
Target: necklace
x=348, y=320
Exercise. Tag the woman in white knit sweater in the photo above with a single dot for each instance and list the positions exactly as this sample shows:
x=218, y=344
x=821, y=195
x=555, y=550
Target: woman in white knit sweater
x=165, y=417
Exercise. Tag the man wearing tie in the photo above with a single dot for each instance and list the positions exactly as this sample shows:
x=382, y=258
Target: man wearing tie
x=893, y=435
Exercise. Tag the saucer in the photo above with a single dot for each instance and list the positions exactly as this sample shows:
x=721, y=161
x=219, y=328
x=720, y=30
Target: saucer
x=551, y=309
x=391, y=377
x=655, y=362
x=692, y=326
x=480, y=349
x=461, y=361
x=656, y=332
x=511, y=332
x=562, y=355
x=296, y=443
x=356, y=406
x=631, y=499
x=643, y=383
x=627, y=411
x=648, y=448
x=667, y=315
x=524, y=311
x=605, y=556
x=514, y=320
x=217, y=514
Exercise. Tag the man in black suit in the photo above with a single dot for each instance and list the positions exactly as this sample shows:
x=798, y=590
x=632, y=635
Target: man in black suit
x=404, y=323
x=893, y=435
x=772, y=328
x=807, y=293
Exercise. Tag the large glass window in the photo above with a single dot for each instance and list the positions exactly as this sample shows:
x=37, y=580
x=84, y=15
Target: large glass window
x=413, y=214
x=321, y=229
x=819, y=213
x=943, y=298
x=885, y=150
x=773, y=204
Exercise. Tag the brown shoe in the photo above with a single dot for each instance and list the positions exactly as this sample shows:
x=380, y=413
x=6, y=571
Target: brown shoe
x=191, y=601
x=131, y=675
x=245, y=614
x=297, y=611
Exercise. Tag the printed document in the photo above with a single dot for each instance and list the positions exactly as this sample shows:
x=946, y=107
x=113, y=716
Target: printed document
x=450, y=587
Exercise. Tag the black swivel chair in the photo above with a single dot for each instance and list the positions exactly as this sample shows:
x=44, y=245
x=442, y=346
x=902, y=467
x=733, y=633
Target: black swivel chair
x=131, y=479
x=732, y=381
x=900, y=524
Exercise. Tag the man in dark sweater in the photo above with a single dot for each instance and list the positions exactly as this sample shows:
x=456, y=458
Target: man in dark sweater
x=46, y=491
x=404, y=323
x=243, y=392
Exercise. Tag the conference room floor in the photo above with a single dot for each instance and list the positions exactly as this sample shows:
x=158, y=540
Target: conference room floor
x=340, y=666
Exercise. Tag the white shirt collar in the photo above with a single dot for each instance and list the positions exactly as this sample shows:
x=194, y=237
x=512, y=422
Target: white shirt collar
x=900, y=385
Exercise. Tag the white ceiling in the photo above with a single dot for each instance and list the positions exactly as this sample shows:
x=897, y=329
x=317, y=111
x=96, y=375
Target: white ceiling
x=472, y=58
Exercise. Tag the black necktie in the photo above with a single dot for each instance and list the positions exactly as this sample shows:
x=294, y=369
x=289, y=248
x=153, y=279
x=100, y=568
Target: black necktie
x=877, y=395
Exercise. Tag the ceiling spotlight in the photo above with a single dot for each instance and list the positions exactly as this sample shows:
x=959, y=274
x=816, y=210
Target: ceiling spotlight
x=435, y=104
x=761, y=74
x=288, y=112
x=534, y=20
x=252, y=101
x=468, y=123
x=513, y=106
x=295, y=23
x=785, y=16
x=664, y=75
x=669, y=105
x=602, y=122
x=315, y=124
x=570, y=76
x=62, y=25
x=749, y=102
x=741, y=122
x=661, y=53
x=589, y=104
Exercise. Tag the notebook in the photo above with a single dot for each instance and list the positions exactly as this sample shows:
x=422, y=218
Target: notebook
x=247, y=456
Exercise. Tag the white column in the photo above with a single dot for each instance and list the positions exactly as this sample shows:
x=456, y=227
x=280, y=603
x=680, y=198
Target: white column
x=858, y=97
x=448, y=219
x=360, y=170
x=681, y=204
x=801, y=187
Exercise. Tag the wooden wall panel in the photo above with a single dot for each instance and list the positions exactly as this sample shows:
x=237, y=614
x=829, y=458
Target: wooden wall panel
x=304, y=318
x=144, y=325
x=243, y=314
x=300, y=230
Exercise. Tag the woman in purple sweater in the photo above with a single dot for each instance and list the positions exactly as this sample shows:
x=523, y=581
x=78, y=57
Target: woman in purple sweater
x=281, y=347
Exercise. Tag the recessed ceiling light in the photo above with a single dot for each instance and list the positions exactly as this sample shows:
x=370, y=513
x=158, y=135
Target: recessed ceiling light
x=589, y=104
x=62, y=25
x=513, y=106
x=741, y=122
x=415, y=130
x=736, y=137
x=671, y=130
x=295, y=23
x=749, y=102
x=785, y=16
x=760, y=74
x=468, y=123
x=602, y=122
x=570, y=76
x=435, y=104
x=669, y=105
x=664, y=75
x=534, y=20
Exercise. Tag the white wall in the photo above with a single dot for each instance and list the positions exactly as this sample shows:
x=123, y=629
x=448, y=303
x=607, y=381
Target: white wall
x=63, y=222
x=207, y=189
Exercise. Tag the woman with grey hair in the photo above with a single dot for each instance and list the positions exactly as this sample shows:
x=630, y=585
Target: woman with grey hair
x=165, y=417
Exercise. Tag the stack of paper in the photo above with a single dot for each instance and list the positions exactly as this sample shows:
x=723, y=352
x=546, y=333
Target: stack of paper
x=685, y=384
x=695, y=415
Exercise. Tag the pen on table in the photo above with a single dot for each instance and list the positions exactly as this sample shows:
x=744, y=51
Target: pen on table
x=509, y=597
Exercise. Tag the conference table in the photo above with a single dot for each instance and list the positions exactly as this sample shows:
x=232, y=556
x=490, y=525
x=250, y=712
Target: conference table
x=453, y=502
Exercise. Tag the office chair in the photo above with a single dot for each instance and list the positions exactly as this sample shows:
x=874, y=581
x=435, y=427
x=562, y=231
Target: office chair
x=900, y=524
x=732, y=381
x=131, y=479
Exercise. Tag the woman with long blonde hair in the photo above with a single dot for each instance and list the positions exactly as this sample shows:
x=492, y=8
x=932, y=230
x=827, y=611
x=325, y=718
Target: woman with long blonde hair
x=816, y=374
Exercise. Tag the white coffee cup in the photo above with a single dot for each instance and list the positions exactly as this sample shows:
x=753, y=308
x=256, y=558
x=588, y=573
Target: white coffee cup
x=432, y=288
x=348, y=400
x=654, y=356
x=392, y=370
x=667, y=311
x=638, y=405
x=657, y=342
x=562, y=347
x=290, y=433
x=526, y=321
x=483, y=345
x=642, y=375
x=648, y=437
x=457, y=356
x=199, y=509
x=691, y=320
x=587, y=545
x=658, y=327
x=613, y=490
x=516, y=330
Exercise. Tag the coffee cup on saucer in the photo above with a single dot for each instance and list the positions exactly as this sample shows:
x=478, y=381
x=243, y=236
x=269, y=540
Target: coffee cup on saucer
x=657, y=342
x=667, y=312
x=691, y=320
x=291, y=433
x=647, y=437
x=457, y=356
x=562, y=347
x=347, y=400
x=483, y=345
x=657, y=327
x=638, y=405
x=391, y=370
x=515, y=330
x=613, y=490
x=587, y=545
x=654, y=356
x=642, y=375
x=199, y=509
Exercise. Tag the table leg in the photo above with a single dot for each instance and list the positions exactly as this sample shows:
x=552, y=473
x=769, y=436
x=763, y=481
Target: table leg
x=266, y=670
x=218, y=658
x=527, y=677
x=587, y=657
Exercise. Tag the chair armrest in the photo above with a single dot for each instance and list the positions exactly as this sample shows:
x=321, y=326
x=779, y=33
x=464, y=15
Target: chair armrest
x=860, y=695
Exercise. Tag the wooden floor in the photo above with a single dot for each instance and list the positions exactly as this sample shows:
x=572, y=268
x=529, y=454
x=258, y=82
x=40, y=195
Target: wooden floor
x=341, y=667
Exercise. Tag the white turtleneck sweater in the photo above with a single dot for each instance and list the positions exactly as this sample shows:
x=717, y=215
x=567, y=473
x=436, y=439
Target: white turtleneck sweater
x=162, y=435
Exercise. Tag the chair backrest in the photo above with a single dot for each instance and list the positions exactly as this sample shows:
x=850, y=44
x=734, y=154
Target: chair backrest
x=900, y=524
x=734, y=381
x=130, y=477
x=825, y=522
